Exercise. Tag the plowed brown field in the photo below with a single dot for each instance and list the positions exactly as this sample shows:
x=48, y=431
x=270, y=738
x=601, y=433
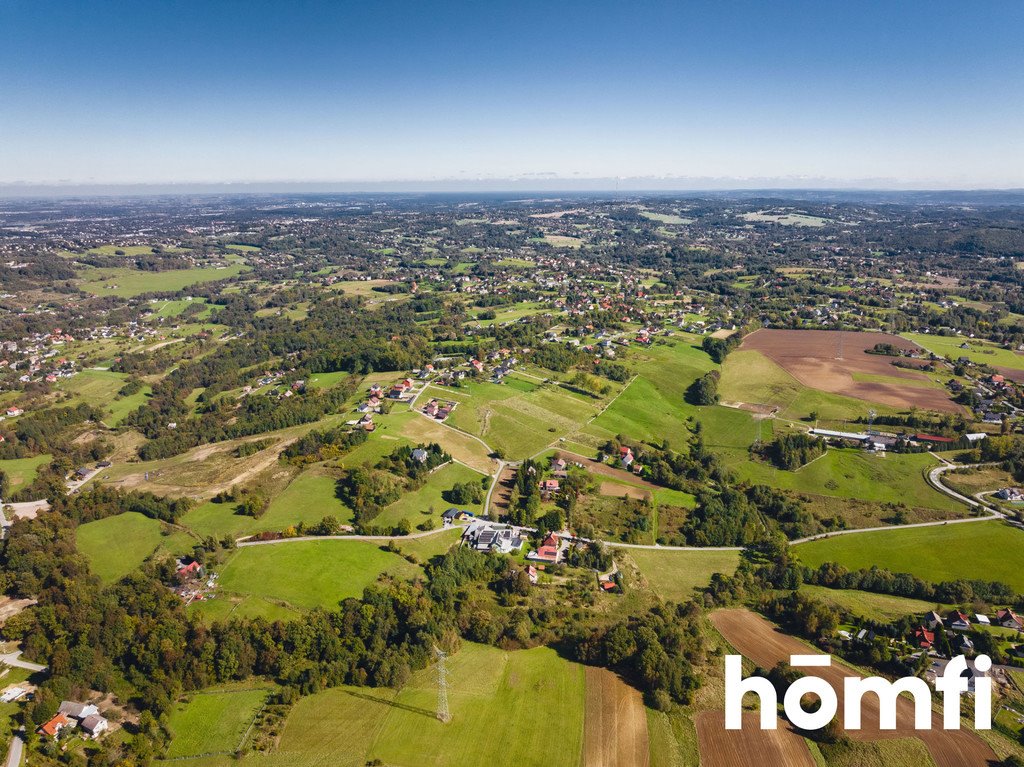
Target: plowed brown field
x=751, y=746
x=615, y=723
x=761, y=642
x=827, y=360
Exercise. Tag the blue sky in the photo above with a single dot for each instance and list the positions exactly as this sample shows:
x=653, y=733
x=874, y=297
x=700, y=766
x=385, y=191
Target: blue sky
x=733, y=93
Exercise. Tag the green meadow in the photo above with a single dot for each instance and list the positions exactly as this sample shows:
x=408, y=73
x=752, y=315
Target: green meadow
x=125, y=282
x=212, y=722
x=989, y=550
x=524, y=708
x=673, y=575
x=414, y=505
x=977, y=350
x=117, y=545
x=308, y=574
x=22, y=471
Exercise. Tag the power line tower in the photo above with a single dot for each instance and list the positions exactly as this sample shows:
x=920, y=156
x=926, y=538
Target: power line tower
x=443, y=714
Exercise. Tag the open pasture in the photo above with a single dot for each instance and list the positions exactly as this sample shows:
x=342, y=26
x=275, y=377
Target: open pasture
x=115, y=546
x=989, y=550
x=308, y=574
x=673, y=575
x=1007, y=361
x=212, y=722
x=827, y=359
x=125, y=283
x=22, y=471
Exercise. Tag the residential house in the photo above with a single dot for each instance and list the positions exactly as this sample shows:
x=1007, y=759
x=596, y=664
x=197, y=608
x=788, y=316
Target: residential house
x=924, y=638
x=420, y=455
x=1012, y=494
x=77, y=710
x=1008, y=619
x=957, y=621
x=932, y=619
x=548, y=550
x=982, y=620
x=548, y=487
x=94, y=725
x=625, y=457
x=53, y=727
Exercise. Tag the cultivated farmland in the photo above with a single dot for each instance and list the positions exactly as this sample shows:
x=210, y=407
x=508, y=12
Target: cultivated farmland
x=833, y=361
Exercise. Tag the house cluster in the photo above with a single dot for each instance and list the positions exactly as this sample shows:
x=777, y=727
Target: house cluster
x=72, y=714
x=1010, y=494
x=401, y=391
x=923, y=636
x=439, y=409
x=493, y=536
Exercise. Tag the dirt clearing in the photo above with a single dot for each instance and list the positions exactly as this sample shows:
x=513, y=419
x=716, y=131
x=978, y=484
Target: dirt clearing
x=615, y=723
x=761, y=642
x=616, y=490
x=827, y=360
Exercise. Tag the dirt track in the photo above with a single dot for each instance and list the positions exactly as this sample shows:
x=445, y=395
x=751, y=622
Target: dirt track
x=615, y=724
x=827, y=360
x=750, y=746
x=759, y=641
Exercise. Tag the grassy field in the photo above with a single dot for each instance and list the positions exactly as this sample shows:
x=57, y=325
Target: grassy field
x=11, y=675
x=308, y=574
x=675, y=574
x=507, y=708
x=665, y=218
x=977, y=351
x=21, y=471
x=867, y=605
x=981, y=550
x=126, y=282
x=520, y=422
x=117, y=545
x=308, y=498
x=412, y=505
x=325, y=380
x=851, y=473
x=212, y=722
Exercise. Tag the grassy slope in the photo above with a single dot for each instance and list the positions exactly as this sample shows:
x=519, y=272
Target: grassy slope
x=132, y=282
x=115, y=546
x=989, y=550
x=675, y=574
x=412, y=505
x=308, y=574
x=518, y=708
x=212, y=722
x=868, y=605
x=21, y=471
x=979, y=351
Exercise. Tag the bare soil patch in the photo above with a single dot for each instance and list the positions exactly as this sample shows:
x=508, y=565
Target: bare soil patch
x=827, y=359
x=750, y=746
x=764, y=644
x=614, y=724
x=623, y=491
x=9, y=607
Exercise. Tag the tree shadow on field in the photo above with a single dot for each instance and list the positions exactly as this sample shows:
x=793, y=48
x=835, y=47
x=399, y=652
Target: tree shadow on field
x=394, y=704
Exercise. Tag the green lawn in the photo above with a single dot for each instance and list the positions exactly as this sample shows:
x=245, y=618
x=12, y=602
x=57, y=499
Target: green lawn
x=117, y=545
x=21, y=471
x=852, y=473
x=325, y=380
x=978, y=550
x=978, y=350
x=674, y=575
x=867, y=605
x=520, y=422
x=412, y=505
x=308, y=498
x=125, y=283
x=308, y=574
x=212, y=722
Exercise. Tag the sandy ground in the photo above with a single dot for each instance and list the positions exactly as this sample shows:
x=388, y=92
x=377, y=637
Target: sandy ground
x=761, y=642
x=615, y=723
x=10, y=607
x=826, y=360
